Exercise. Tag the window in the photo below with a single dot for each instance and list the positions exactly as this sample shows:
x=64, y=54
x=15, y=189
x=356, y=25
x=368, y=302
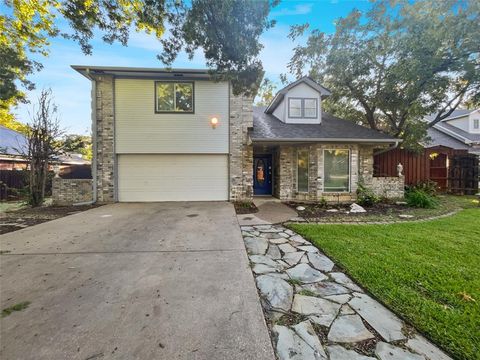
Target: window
x=174, y=97
x=302, y=171
x=336, y=170
x=476, y=124
x=302, y=108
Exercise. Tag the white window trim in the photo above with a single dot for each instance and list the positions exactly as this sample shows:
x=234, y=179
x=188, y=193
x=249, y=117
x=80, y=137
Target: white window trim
x=478, y=124
x=308, y=171
x=174, y=97
x=349, y=172
x=302, y=108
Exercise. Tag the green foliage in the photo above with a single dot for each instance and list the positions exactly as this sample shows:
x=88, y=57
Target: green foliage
x=366, y=196
x=77, y=144
x=390, y=67
x=17, y=307
x=420, y=198
x=228, y=31
x=323, y=202
x=427, y=272
x=265, y=93
x=429, y=187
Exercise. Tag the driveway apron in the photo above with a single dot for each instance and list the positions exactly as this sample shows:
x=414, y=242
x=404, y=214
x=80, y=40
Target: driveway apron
x=132, y=281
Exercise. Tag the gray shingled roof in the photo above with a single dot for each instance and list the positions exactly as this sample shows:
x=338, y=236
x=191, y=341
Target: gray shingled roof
x=267, y=127
x=454, y=114
x=450, y=128
x=438, y=138
x=12, y=142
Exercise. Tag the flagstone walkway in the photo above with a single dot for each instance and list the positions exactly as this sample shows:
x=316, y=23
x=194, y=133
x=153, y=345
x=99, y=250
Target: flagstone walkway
x=315, y=311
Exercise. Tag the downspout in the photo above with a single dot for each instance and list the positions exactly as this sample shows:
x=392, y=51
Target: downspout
x=392, y=147
x=94, y=134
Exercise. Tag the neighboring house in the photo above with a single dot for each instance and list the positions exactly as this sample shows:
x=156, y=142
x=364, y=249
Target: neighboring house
x=461, y=130
x=449, y=158
x=12, y=147
x=176, y=135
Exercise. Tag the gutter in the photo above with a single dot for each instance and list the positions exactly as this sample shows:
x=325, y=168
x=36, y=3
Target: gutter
x=392, y=147
x=349, y=140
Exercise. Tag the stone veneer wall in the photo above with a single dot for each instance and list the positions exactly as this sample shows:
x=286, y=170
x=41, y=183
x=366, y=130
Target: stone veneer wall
x=388, y=187
x=71, y=191
x=103, y=138
x=241, y=148
x=288, y=173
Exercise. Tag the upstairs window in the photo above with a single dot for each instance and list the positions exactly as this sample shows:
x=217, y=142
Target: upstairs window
x=476, y=124
x=302, y=108
x=173, y=97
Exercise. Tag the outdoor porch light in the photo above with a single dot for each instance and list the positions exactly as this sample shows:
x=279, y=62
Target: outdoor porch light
x=214, y=122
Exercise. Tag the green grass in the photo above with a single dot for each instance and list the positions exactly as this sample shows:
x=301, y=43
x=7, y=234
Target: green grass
x=17, y=307
x=428, y=273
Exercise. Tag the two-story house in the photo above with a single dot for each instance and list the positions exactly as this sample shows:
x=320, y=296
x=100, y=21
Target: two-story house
x=177, y=135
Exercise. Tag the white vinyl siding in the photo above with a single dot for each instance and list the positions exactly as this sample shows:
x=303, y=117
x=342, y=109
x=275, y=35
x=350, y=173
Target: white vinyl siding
x=172, y=178
x=138, y=129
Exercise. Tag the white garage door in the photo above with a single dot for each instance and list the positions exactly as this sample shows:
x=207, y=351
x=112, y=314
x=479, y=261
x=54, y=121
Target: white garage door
x=172, y=177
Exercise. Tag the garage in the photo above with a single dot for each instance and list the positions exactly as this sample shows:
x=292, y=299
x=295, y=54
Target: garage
x=175, y=177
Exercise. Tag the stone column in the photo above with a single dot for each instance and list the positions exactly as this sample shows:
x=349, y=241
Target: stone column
x=241, y=148
x=104, y=138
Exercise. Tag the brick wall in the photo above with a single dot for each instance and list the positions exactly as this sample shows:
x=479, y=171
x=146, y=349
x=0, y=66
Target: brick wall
x=241, y=148
x=390, y=187
x=71, y=191
x=104, y=133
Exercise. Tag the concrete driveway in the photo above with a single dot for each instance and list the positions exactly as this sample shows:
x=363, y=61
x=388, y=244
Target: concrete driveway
x=132, y=281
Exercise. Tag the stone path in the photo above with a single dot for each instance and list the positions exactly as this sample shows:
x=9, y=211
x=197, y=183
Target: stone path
x=314, y=311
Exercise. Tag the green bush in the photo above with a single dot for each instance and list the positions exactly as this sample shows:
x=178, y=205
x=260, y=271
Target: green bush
x=366, y=196
x=429, y=187
x=419, y=198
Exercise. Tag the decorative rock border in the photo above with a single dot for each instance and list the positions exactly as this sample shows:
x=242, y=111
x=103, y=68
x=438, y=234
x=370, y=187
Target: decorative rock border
x=314, y=311
x=407, y=220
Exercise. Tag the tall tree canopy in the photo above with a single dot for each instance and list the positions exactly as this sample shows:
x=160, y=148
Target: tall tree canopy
x=228, y=31
x=402, y=60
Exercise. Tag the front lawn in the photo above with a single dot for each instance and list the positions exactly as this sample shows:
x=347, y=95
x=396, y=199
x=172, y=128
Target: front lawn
x=428, y=273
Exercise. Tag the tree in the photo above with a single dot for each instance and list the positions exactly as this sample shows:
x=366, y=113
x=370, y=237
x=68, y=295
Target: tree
x=400, y=62
x=42, y=141
x=78, y=144
x=265, y=93
x=228, y=32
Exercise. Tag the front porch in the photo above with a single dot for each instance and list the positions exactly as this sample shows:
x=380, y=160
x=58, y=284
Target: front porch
x=306, y=172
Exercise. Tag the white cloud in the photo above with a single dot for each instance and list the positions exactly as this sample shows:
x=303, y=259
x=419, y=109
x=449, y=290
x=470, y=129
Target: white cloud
x=300, y=9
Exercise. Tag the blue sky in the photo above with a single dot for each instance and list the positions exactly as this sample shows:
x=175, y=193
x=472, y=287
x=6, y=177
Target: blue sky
x=72, y=91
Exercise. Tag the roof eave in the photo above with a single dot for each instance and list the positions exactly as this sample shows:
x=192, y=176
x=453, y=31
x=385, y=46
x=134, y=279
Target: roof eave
x=344, y=140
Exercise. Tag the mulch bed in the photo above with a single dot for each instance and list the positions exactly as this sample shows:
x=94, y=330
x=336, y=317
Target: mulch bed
x=317, y=211
x=245, y=207
x=20, y=219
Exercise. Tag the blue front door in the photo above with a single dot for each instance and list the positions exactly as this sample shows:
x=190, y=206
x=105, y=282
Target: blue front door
x=262, y=175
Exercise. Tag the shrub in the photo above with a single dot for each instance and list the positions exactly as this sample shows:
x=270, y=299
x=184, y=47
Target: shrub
x=366, y=196
x=419, y=198
x=429, y=187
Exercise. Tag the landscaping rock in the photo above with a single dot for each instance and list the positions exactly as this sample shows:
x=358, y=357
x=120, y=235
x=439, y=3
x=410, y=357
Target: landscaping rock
x=289, y=232
x=280, y=240
x=305, y=273
x=332, y=210
x=389, y=352
x=405, y=216
x=326, y=288
x=263, y=269
x=274, y=252
x=338, y=352
x=346, y=310
x=285, y=235
x=381, y=319
x=300, y=208
x=422, y=346
x=355, y=208
x=321, y=311
x=304, y=259
x=306, y=332
x=271, y=236
x=293, y=258
x=348, y=329
x=256, y=246
x=320, y=262
x=276, y=291
x=401, y=203
x=343, y=279
x=287, y=248
x=261, y=259
x=290, y=346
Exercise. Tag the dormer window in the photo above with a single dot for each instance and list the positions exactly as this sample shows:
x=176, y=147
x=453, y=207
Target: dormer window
x=476, y=124
x=302, y=108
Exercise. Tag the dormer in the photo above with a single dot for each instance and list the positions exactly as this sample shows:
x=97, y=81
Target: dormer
x=299, y=103
x=474, y=120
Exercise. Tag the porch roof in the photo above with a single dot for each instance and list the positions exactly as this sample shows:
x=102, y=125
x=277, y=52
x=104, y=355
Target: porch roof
x=267, y=128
